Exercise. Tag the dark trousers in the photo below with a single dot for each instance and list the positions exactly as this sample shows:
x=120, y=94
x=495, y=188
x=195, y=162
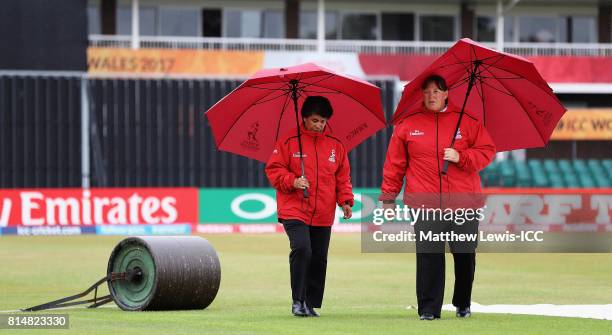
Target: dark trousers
x=307, y=261
x=431, y=267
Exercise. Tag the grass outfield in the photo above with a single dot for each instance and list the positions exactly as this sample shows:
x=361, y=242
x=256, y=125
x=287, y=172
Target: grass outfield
x=365, y=294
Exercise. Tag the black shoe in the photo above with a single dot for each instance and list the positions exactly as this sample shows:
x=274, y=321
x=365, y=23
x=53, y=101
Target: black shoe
x=297, y=308
x=310, y=311
x=427, y=317
x=464, y=312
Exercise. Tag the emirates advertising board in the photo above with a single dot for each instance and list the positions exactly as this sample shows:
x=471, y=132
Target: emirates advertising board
x=104, y=211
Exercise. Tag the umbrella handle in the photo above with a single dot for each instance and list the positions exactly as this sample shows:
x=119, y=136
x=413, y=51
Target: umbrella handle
x=306, y=195
x=444, y=168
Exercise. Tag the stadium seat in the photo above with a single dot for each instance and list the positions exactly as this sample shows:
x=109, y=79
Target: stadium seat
x=508, y=173
x=586, y=181
x=523, y=174
x=595, y=166
x=490, y=175
x=580, y=165
x=602, y=181
x=550, y=166
x=607, y=164
x=557, y=182
x=539, y=176
x=565, y=166
x=598, y=172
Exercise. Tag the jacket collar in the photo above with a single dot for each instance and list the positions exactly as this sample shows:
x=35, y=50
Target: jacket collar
x=311, y=133
x=448, y=110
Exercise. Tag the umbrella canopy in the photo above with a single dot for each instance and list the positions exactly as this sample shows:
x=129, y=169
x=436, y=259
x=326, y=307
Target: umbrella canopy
x=503, y=91
x=249, y=120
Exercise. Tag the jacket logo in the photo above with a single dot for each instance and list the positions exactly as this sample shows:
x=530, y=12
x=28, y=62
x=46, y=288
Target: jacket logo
x=417, y=132
x=458, y=136
x=332, y=157
x=297, y=155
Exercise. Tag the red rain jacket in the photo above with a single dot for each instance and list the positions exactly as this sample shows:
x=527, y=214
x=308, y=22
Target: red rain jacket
x=416, y=151
x=327, y=170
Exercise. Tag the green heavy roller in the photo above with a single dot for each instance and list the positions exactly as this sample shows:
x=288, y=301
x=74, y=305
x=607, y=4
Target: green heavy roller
x=155, y=273
x=164, y=273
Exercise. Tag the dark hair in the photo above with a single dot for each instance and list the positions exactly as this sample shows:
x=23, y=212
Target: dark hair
x=438, y=80
x=317, y=105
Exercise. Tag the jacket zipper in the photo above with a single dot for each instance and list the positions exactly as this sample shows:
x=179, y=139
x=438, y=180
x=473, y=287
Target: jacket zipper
x=438, y=163
x=317, y=180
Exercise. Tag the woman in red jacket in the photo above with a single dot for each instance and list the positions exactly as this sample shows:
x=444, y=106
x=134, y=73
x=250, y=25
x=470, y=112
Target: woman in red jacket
x=418, y=148
x=307, y=218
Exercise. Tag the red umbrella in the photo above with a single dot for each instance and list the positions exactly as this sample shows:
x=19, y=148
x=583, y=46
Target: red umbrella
x=514, y=102
x=249, y=120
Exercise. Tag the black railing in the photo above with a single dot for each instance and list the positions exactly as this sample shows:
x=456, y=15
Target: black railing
x=143, y=132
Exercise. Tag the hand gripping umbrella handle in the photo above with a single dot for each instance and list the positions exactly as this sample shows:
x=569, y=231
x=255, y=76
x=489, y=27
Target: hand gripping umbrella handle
x=444, y=168
x=305, y=190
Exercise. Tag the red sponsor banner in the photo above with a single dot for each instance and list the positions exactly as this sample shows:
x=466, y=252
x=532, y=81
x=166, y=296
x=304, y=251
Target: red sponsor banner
x=554, y=69
x=264, y=228
x=570, y=209
x=574, y=69
x=406, y=67
x=97, y=206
